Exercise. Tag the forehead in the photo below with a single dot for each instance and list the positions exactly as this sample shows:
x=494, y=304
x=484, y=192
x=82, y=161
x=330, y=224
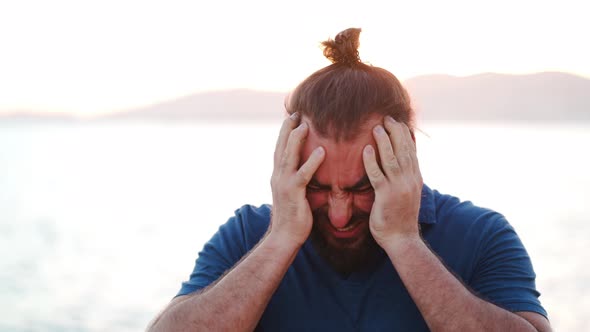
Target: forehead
x=343, y=163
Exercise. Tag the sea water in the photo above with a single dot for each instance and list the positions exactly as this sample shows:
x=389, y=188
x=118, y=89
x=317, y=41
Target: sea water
x=101, y=222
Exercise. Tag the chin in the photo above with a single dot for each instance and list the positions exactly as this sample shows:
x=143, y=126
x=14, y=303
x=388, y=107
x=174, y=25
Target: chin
x=353, y=241
x=351, y=251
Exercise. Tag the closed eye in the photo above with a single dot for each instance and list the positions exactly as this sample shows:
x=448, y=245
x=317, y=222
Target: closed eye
x=316, y=188
x=363, y=186
x=363, y=190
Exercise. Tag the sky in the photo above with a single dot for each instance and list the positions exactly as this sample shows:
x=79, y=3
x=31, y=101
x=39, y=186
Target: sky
x=91, y=57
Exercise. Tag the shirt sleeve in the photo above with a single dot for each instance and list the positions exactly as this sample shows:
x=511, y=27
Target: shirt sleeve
x=504, y=272
x=231, y=242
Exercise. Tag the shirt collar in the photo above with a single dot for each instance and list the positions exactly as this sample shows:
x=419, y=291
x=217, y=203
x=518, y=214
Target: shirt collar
x=427, y=206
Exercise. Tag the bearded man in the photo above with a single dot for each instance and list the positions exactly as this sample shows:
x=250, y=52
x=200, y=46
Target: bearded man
x=354, y=241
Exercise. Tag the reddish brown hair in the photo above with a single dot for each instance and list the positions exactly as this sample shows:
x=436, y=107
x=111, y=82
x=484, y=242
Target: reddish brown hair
x=338, y=98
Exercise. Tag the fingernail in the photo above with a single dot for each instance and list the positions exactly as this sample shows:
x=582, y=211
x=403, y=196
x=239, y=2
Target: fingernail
x=294, y=116
x=390, y=119
x=369, y=150
x=379, y=129
x=319, y=151
x=303, y=125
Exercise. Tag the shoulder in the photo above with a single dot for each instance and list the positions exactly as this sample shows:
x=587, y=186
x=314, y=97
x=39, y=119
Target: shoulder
x=481, y=229
x=254, y=214
x=247, y=226
x=481, y=246
x=452, y=212
x=239, y=234
x=464, y=233
x=228, y=245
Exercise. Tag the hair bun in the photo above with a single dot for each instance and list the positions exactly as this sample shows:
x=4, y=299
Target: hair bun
x=344, y=48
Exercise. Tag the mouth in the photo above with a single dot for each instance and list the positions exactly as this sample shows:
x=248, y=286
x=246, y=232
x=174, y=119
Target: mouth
x=347, y=228
x=352, y=230
x=354, y=233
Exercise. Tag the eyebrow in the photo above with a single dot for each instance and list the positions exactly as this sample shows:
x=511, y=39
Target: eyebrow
x=360, y=184
x=316, y=183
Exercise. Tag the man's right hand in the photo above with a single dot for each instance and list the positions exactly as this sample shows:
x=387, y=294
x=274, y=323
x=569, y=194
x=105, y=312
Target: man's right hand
x=292, y=219
x=237, y=300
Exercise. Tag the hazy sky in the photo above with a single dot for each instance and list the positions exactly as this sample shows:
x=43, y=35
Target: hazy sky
x=97, y=56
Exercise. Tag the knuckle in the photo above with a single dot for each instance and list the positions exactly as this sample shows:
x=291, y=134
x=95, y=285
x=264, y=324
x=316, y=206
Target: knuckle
x=284, y=161
x=302, y=177
x=275, y=179
x=389, y=149
x=375, y=174
x=404, y=158
x=294, y=134
x=392, y=164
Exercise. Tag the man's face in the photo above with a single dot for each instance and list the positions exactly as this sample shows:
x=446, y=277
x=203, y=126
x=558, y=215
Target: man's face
x=340, y=197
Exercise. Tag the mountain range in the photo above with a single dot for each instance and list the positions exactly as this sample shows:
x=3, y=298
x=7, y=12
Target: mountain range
x=549, y=96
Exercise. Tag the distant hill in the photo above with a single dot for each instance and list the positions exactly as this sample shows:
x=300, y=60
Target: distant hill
x=547, y=96
x=31, y=116
x=231, y=105
x=537, y=97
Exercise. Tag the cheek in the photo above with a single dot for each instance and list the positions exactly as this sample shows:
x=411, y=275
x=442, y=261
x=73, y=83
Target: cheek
x=316, y=199
x=364, y=202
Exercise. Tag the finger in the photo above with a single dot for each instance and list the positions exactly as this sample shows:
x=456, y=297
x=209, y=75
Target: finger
x=308, y=169
x=412, y=149
x=389, y=161
x=412, y=138
x=401, y=146
x=376, y=177
x=291, y=155
x=408, y=141
x=289, y=124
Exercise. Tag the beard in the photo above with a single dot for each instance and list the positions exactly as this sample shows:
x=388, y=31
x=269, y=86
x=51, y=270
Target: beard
x=345, y=255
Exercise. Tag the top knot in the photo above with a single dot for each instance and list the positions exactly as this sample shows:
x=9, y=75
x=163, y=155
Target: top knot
x=344, y=48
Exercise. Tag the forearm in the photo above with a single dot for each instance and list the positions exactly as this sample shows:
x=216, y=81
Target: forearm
x=444, y=302
x=237, y=301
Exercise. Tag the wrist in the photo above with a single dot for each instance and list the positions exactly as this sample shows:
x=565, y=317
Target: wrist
x=282, y=242
x=401, y=244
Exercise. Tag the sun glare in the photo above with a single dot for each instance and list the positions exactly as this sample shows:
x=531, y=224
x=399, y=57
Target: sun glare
x=91, y=58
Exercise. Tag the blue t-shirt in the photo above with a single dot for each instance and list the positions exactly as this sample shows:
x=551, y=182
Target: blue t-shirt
x=476, y=244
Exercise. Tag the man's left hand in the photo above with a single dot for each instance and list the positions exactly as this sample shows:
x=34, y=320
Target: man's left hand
x=397, y=183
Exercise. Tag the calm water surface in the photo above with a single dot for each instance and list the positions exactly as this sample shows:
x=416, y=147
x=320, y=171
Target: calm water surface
x=99, y=223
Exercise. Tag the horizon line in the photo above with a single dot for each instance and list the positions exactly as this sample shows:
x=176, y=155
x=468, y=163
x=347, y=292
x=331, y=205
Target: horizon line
x=81, y=115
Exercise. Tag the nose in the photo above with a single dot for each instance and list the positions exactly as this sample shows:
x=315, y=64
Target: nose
x=340, y=209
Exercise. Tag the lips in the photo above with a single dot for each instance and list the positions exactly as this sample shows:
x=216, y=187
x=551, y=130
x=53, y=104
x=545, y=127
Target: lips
x=347, y=228
x=350, y=231
x=355, y=231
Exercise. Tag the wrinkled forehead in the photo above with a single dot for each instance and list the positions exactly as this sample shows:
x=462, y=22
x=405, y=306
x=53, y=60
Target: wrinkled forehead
x=343, y=161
